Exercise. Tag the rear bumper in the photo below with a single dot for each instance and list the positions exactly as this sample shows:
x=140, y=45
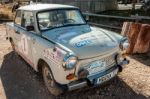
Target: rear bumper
x=92, y=80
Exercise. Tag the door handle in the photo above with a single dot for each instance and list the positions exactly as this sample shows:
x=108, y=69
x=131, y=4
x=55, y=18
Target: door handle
x=17, y=32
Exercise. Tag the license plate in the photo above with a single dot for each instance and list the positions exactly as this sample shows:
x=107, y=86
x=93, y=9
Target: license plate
x=107, y=77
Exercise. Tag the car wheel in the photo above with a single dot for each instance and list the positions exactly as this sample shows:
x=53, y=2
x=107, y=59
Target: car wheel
x=49, y=81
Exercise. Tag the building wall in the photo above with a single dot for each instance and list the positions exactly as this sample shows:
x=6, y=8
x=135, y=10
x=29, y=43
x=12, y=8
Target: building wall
x=97, y=5
x=88, y=5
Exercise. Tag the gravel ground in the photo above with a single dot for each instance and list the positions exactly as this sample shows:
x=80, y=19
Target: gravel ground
x=19, y=81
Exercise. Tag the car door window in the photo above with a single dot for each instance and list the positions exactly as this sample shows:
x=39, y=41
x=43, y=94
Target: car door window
x=18, y=18
x=27, y=19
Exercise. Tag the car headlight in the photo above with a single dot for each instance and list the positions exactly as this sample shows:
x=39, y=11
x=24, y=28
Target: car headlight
x=70, y=61
x=124, y=44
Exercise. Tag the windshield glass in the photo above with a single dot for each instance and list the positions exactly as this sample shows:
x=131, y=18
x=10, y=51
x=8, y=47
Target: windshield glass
x=59, y=18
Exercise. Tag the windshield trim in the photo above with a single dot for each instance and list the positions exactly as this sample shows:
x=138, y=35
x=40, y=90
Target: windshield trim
x=85, y=23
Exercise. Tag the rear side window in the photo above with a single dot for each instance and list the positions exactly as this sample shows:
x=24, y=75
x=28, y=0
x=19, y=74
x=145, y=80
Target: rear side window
x=27, y=19
x=18, y=18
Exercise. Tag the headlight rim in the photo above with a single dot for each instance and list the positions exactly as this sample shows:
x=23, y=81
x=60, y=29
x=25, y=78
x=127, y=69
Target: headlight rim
x=67, y=59
x=121, y=45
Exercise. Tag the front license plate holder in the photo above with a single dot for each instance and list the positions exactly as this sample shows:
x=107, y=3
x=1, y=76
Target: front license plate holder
x=106, y=77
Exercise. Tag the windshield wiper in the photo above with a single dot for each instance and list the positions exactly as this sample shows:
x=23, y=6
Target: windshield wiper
x=65, y=25
x=69, y=24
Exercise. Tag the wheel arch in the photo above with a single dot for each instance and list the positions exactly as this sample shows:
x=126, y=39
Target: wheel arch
x=40, y=64
x=39, y=69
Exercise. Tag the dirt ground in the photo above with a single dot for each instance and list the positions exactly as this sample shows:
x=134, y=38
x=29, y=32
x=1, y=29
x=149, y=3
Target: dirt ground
x=19, y=81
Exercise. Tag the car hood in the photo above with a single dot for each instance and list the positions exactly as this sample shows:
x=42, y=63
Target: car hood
x=84, y=41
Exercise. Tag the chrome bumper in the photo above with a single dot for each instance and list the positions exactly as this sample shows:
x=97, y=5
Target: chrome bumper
x=122, y=64
x=77, y=85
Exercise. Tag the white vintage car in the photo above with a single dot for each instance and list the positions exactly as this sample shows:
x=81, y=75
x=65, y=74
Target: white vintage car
x=70, y=54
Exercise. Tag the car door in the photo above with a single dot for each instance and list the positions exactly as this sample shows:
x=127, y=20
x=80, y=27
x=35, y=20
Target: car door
x=25, y=41
x=16, y=31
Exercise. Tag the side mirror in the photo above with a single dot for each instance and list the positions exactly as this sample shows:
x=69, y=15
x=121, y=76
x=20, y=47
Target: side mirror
x=30, y=28
x=86, y=18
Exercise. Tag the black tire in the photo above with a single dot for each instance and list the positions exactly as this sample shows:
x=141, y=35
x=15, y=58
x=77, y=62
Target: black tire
x=49, y=81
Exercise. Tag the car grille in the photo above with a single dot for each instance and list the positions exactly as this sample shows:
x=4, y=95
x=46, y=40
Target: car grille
x=109, y=62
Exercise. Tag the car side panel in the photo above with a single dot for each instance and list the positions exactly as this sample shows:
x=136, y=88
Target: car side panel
x=43, y=49
x=38, y=47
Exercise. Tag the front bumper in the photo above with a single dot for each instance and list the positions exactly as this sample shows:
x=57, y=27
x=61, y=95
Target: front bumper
x=92, y=80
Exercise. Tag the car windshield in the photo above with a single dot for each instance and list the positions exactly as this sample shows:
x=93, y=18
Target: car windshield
x=59, y=18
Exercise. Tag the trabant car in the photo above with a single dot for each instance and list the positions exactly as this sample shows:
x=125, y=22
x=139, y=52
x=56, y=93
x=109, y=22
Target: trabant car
x=57, y=41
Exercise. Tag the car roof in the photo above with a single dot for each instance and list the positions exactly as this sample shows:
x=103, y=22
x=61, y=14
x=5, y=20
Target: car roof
x=37, y=7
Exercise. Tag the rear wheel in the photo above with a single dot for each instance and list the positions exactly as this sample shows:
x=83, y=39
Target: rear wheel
x=12, y=45
x=50, y=83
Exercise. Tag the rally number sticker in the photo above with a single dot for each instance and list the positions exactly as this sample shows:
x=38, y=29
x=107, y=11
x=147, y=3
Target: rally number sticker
x=23, y=45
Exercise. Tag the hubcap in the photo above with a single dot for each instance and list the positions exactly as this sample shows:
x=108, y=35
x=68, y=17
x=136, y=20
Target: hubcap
x=48, y=77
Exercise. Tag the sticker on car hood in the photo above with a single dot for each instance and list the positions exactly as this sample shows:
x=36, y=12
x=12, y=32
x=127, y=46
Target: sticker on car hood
x=83, y=43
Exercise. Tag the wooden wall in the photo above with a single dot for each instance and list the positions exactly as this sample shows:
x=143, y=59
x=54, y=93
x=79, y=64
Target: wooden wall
x=88, y=5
